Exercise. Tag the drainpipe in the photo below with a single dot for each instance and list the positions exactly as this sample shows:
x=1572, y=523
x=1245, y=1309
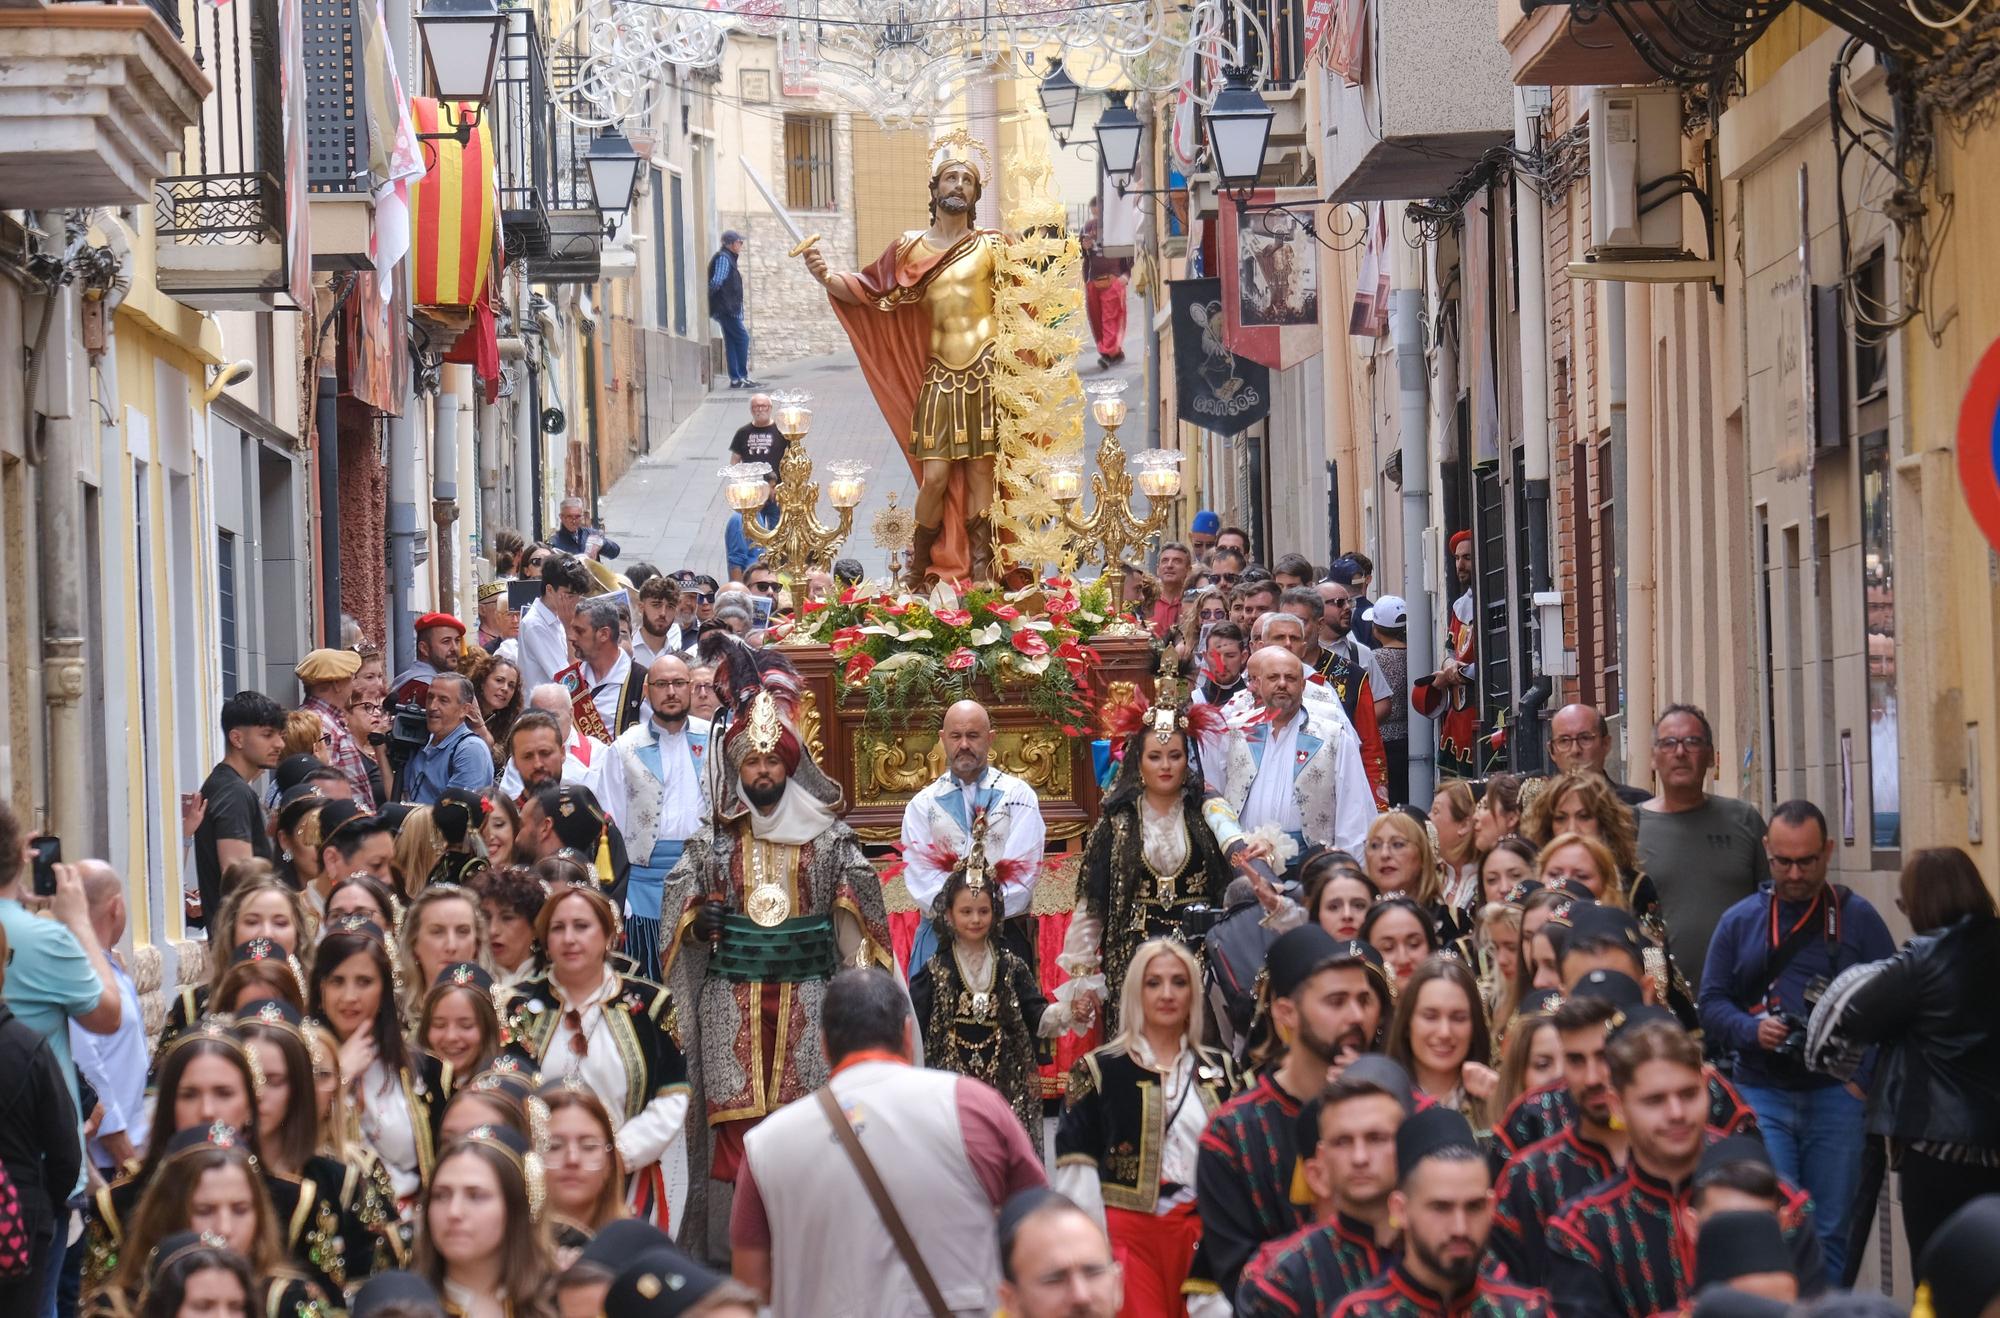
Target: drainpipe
x=1413, y=422
x=453, y=396
x=59, y=507
x=1525, y=743
x=1637, y=499
x=527, y=426
x=403, y=533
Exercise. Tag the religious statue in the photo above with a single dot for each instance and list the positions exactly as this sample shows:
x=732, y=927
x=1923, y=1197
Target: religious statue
x=924, y=324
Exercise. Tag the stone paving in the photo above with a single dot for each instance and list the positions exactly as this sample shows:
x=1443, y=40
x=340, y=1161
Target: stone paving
x=668, y=509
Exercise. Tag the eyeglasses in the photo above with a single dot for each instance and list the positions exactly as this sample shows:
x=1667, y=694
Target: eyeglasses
x=1578, y=740
x=1673, y=745
x=666, y=683
x=1227, y=577
x=1799, y=864
x=705, y=686
x=590, y=1153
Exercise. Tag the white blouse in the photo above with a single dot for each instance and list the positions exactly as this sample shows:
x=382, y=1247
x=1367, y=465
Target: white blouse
x=389, y=1128
x=641, y=1139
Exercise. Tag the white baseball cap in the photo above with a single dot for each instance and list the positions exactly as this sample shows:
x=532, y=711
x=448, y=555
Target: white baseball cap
x=1389, y=611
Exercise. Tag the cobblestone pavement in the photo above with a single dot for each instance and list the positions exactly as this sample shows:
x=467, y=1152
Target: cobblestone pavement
x=668, y=509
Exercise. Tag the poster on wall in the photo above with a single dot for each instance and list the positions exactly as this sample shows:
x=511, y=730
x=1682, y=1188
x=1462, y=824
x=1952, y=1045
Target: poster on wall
x=1217, y=390
x=1271, y=278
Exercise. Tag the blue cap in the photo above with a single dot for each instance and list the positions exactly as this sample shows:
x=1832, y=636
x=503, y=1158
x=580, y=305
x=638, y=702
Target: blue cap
x=1206, y=523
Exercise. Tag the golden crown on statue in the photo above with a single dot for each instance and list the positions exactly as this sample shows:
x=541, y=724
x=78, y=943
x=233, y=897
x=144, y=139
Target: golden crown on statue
x=959, y=147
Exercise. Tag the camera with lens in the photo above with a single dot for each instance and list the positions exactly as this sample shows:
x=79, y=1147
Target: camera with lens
x=409, y=730
x=1792, y=1048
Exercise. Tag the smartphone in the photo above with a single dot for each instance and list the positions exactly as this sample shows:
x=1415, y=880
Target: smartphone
x=760, y=610
x=47, y=850
x=522, y=594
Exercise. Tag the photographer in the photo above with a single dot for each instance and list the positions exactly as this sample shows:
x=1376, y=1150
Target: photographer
x=453, y=755
x=1929, y=1010
x=1772, y=955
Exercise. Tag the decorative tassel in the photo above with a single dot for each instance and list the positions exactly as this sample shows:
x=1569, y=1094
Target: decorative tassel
x=604, y=876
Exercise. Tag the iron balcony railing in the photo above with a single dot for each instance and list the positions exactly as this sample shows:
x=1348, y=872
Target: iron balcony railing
x=231, y=188
x=524, y=128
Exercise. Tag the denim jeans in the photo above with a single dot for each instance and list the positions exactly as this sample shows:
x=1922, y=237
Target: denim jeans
x=735, y=346
x=1815, y=1138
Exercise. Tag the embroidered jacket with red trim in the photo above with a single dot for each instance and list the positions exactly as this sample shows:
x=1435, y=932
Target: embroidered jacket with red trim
x=1311, y=1270
x=1399, y=1295
x=1540, y=1113
x=1535, y=1183
x=1244, y=1177
x=1625, y=1247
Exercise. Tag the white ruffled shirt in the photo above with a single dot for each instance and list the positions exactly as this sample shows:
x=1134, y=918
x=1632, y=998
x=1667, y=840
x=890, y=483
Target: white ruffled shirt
x=641, y=1139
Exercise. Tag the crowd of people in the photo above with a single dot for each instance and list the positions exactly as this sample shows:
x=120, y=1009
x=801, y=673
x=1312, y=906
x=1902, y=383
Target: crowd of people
x=544, y=979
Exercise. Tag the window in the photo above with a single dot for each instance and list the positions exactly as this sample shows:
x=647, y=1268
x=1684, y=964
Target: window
x=664, y=287
x=1878, y=585
x=809, y=162
x=225, y=611
x=675, y=209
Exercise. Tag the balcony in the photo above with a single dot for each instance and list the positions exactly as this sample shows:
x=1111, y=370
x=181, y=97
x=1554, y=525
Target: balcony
x=93, y=104
x=1551, y=45
x=524, y=137
x=575, y=252
x=1395, y=137
x=339, y=136
x=226, y=224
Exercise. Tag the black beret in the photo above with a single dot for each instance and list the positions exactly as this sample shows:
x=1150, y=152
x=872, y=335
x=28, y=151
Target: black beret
x=292, y=770
x=1425, y=1133
x=660, y=1283
x=256, y=949
x=1739, y=1244
x=1610, y=986
x=349, y=820
x=622, y=1239
x=1595, y=920
x=465, y=972
x=578, y=819
x=1631, y=1018
x=1731, y=1150
x=1298, y=955
x=298, y=802
x=1961, y=1263
x=456, y=813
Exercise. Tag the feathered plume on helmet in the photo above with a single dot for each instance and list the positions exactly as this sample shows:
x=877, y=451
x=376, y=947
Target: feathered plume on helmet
x=762, y=693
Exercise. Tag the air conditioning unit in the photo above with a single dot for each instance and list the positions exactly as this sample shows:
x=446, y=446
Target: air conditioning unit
x=1636, y=181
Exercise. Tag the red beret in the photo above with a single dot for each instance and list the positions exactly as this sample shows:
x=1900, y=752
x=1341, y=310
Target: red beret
x=1451, y=547
x=430, y=620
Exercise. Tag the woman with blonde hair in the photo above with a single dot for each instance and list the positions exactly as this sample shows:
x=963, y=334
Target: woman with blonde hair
x=418, y=847
x=255, y=909
x=306, y=734
x=1577, y=858
x=1497, y=946
x=442, y=927
x=1399, y=859
x=1530, y=1049
x=1139, y=1104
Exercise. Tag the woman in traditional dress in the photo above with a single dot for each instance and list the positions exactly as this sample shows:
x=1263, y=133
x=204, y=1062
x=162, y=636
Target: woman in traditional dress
x=208, y=1182
x=266, y=909
x=585, y=1174
x=1440, y=1037
x=365, y=897
x=457, y=817
x=190, y=1276
x=977, y=1005
x=1132, y=1123
x=482, y=1242
x=442, y=927
x=500, y=827
x=459, y=1023
x=584, y=1019
x=1158, y=861
x=511, y=898
x=394, y=1087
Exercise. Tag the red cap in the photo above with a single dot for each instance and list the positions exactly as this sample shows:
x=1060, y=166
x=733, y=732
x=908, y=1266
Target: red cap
x=430, y=620
x=1451, y=546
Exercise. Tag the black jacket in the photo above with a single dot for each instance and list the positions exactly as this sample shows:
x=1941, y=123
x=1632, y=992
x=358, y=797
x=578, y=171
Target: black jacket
x=725, y=298
x=39, y=1145
x=579, y=542
x=1930, y=1007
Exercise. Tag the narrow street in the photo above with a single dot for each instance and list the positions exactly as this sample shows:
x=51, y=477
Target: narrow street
x=669, y=510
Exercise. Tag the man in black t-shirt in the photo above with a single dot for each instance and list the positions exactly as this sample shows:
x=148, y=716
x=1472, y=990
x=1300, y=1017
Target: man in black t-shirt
x=759, y=441
x=232, y=828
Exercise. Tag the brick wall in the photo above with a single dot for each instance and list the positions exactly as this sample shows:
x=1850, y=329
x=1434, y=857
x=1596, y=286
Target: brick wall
x=364, y=499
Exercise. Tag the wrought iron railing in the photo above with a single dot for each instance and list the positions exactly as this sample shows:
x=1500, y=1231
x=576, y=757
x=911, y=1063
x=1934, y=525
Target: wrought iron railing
x=1284, y=28
x=570, y=141
x=231, y=185
x=337, y=136
x=524, y=129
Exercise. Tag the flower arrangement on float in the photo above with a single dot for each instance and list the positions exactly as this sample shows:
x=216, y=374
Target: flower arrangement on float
x=903, y=651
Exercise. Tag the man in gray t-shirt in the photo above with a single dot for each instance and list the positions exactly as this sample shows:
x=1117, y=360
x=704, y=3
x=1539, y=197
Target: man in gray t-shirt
x=1704, y=853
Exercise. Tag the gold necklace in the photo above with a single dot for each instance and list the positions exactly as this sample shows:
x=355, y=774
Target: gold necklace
x=1165, y=886
x=767, y=905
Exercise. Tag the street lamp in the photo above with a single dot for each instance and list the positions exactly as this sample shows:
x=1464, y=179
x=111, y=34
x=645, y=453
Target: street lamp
x=1119, y=132
x=1239, y=124
x=1112, y=528
x=1059, y=92
x=614, y=176
x=461, y=40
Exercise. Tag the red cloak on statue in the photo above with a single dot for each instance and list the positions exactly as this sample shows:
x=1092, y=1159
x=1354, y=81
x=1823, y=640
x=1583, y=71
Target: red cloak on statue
x=891, y=333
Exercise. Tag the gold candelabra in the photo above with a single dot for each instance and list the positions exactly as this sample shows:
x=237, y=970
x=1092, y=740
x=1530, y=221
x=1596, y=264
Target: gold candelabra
x=1112, y=530
x=798, y=541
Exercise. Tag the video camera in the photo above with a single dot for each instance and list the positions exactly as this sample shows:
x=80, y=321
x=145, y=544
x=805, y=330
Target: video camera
x=409, y=731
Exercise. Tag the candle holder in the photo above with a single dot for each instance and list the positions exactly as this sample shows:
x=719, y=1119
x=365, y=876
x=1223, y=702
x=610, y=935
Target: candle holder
x=798, y=541
x=1113, y=529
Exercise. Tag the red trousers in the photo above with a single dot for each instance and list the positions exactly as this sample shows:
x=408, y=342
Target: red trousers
x=1104, y=301
x=1154, y=1251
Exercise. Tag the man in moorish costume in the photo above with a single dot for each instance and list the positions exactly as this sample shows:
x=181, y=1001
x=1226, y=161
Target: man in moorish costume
x=767, y=901
x=924, y=325
x=1451, y=691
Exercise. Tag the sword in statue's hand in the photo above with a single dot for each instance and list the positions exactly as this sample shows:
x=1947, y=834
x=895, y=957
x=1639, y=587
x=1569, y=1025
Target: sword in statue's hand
x=801, y=240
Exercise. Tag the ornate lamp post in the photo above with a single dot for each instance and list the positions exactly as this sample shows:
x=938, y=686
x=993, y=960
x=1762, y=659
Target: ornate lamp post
x=797, y=541
x=1113, y=527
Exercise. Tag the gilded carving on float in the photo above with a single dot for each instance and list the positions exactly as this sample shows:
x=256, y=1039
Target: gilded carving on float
x=901, y=767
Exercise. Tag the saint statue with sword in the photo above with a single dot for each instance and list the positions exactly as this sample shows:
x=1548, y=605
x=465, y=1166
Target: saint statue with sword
x=924, y=325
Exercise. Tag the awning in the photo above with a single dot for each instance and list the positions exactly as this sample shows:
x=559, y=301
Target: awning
x=455, y=209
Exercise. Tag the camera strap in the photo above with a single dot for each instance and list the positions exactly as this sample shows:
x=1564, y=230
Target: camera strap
x=1827, y=907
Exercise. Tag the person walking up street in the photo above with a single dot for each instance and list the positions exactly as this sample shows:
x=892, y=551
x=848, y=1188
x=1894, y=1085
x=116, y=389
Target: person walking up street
x=1104, y=290
x=725, y=305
